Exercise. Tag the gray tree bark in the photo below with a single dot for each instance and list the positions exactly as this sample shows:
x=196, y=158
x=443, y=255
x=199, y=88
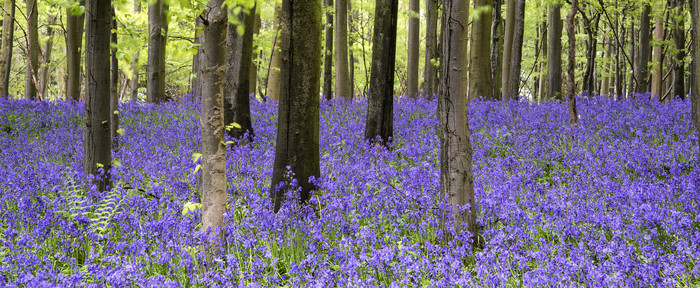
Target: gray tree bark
x=430, y=72
x=239, y=51
x=571, y=31
x=517, y=50
x=114, y=85
x=342, y=75
x=32, y=71
x=297, y=144
x=328, y=56
x=75, y=25
x=481, y=82
x=679, y=43
x=413, y=48
x=456, y=175
x=695, y=74
x=642, y=71
x=273, y=78
x=157, y=40
x=380, y=104
x=657, y=58
x=97, y=143
x=46, y=60
x=253, y=81
x=497, y=49
x=212, y=120
x=588, y=85
x=8, y=30
x=135, y=63
x=508, y=49
x=554, y=62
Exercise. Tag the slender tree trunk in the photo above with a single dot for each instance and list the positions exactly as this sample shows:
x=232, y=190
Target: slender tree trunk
x=273, y=78
x=695, y=84
x=74, y=42
x=239, y=50
x=642, y=70
x=571, y=31
x=31, y=72
x=297, y=145
x=114, y=85
x=656, y=77
x=517, y=51
x=430, y=72
x=605, y=82
x=157, y=37
x=543, y=64
x=197, y=59
x=213, y=156
x=679, y=43
x=633, y=80
x=342, y=76
x=456, y=175
x=45, y=79
x=135, y=63
x=8, y=30
x=97, y=142
x=481, y=81
x=554, y=62
x=352, y=15
x=328, y=56
x=253, y=74
x=618, y=62
x=497, y=49
x=511, y=8
x=588, y=85
x=380, y=106
x=413, y=48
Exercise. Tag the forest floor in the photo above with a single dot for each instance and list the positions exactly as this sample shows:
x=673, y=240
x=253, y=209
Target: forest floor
x=612, y=202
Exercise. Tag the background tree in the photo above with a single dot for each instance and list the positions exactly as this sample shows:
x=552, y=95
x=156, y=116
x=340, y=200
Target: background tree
x=8, y=29
x=456, y=175
x=413, y=47
x=343, y=87
x=507, y=48
x=328, y=55
x=497, y=48
x=75, y=23
x=273, y=78
x=98, y=141
x=642, y=71
x=695, y=81
x=297, y=145
x=157, y=39
x=135, y=62
x=44, y=77
x=554, y=54
x=114, y=83
x=679, y=76
x=239, y=50
x=480, y=82
x=571, y=31
x=31, y=78
x=517, y=51
x=430, y=71
x=253, y=66
x=213, y=157
x=380, y=102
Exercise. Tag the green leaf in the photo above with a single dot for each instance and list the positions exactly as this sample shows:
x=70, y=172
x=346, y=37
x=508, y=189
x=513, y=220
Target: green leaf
x=196, y=156
x=120, y=131
x=77, y=10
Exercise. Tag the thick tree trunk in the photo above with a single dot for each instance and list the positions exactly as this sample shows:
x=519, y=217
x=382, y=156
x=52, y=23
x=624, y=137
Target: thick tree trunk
x=253, y=66
x=114, y=85
x=588, y=85
x=97, y=143
x=135, y=63
x=380, y=105
x=430, y=72
x=571, y=32
x=157, y=39
x=273, y=78
x=679, y=43
x=74, y=44
x=506, y=67
x=352, y=15
x=413, y=48
x=481, y=81
x=456, y=175
x=32, y=71
x=297, y=146
x=212, y=120
x=45, y=78
x=8, y=29
x=642, y=71
x=328, y=56
x=517, y=52
x=496, y=49
x=239, y=50
x=657, y=75
x=695, y=74
x=554, y=62
x=342, y=76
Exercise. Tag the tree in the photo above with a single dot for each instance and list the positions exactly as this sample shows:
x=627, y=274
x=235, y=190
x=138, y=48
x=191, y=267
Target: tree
x=456, y=175
x=642, y=71
x=380, y=104
x=430, y=72
x=413, y=47
x=680, y=49
x=8, y=29
x=30, y=75
x=157, y=39
x=554, y=54
x=497, y=49
x=517, y=50
x=114, y=84
x=571, y=32
x=253, y=82
x=213, y=157
x=507, y=49
x=239, y=51
x=328, y=56
x=480, y=83
x=45, y=78
x=591, y=27
x=342, y=75
x=75, y=23
x=297, y=146
x=98, y=141
x=695, y=82
x=273, y=78
x=135, y=63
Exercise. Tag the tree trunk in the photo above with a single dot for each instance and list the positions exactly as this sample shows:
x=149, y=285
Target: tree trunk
x=430, y=72
x=97, y=142
x=342, y=76
x=508, y=49
x=380, y=105
x=679, y=43
x=352, y=15
x=605, y=82
x=657, y=75
x=212, y=120
x=554, y=62
x=273, y=78
x=456, y=175
x=114, y=85
x=571, y=32
x=543, y=64
x=642, y=71
x=633, y=82
x=588, y=85
x=135, y=63
x=297, y=146
x=496, y=50
x=481, y=82
x=328, y=57
x=197, y=59
x=31, y=72
x=74, y=43
x=45, y=79
x=253, y=81
x=517, y=51
x=413, y=48
x=239, y=50
x=618, y=62
x=8, y=30
x=695, y=84
x=157, y=39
